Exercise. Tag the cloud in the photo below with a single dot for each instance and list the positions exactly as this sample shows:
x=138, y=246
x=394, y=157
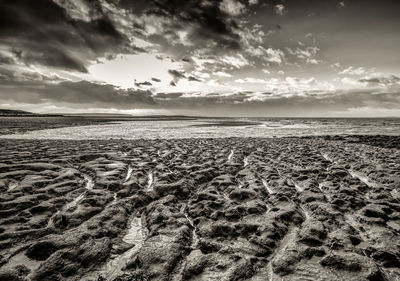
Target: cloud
x=300, y=99
x=191, y=78
x=306, y=54
x=295, y=85
x=176, y=74
x=123, y=69
x=81, y=9
x=76, y=94
x=232, y=7
x=351, y=70
x=201, y=48
x=274, y=55
x=203, y=22
x=42, y=32
x=280, y=9
x=251, y=80
x=222, y=74
x=237, y=61
x=141, y=84
x=313, y=103
x=391, y=81
x=351, y=81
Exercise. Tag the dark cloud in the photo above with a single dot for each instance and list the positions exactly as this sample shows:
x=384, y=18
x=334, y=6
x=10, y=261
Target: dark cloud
x=6, y=59
x=267, y=104
x=176, y=74
x=167, y=95
x=145, y=83
x=155, y=79
x=382, y=81
x=26, y=75
x=78, y=94
x=191, y=78
x=209, y=22
x=43, y=32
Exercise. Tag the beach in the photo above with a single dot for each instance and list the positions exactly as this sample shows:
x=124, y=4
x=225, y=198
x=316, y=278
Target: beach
x=295, y=208
x=199, y=140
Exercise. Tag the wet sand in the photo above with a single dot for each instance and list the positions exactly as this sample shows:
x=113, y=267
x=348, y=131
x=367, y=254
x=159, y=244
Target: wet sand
x=317, y=208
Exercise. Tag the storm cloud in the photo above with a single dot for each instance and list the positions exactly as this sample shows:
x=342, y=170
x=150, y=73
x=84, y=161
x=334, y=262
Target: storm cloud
x=75, y=93
x=226, y=57
x=43, y=32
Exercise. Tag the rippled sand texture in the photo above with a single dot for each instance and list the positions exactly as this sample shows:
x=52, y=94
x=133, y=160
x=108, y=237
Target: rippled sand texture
x=205, y=209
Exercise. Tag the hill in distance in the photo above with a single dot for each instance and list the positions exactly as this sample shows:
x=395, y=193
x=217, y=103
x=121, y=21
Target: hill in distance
x=11, y=112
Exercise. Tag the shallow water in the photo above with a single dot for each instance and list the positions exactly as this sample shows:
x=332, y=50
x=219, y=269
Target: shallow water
x=215, y=128
x=129, y=173
x=245, y=161
x=74, y=202
x=12, y=185
x=150, y=181
x=136, y=235
x=230, y=156
x=270, y=191
x=89, y=183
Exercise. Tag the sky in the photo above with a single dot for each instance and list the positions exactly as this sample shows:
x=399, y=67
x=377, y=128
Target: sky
x=286, y=58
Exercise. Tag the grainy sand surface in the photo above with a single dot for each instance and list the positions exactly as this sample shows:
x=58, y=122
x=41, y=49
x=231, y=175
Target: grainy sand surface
x=201, y=209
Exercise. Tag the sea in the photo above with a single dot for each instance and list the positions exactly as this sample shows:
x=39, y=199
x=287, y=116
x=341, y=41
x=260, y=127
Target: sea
x=218, y=128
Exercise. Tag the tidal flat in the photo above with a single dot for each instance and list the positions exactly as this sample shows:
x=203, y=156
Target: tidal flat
x=315, y=208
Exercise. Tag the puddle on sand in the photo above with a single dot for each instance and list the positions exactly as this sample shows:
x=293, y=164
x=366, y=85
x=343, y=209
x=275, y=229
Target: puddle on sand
x=298, y=187
x=245, y=161
x=230, y=156
x=320, y=187
x=293, y=183
x=89, y=183
x=306, y=214
x=74, y=202
x=395, y=194
x=136, y=235
x=326, y=157
x=129, y=173
x=225, y=196
x=123, y=154
x=361, y=178
x=265, y=184
x=12, y=185
x=150, y=181
x=195, y=238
